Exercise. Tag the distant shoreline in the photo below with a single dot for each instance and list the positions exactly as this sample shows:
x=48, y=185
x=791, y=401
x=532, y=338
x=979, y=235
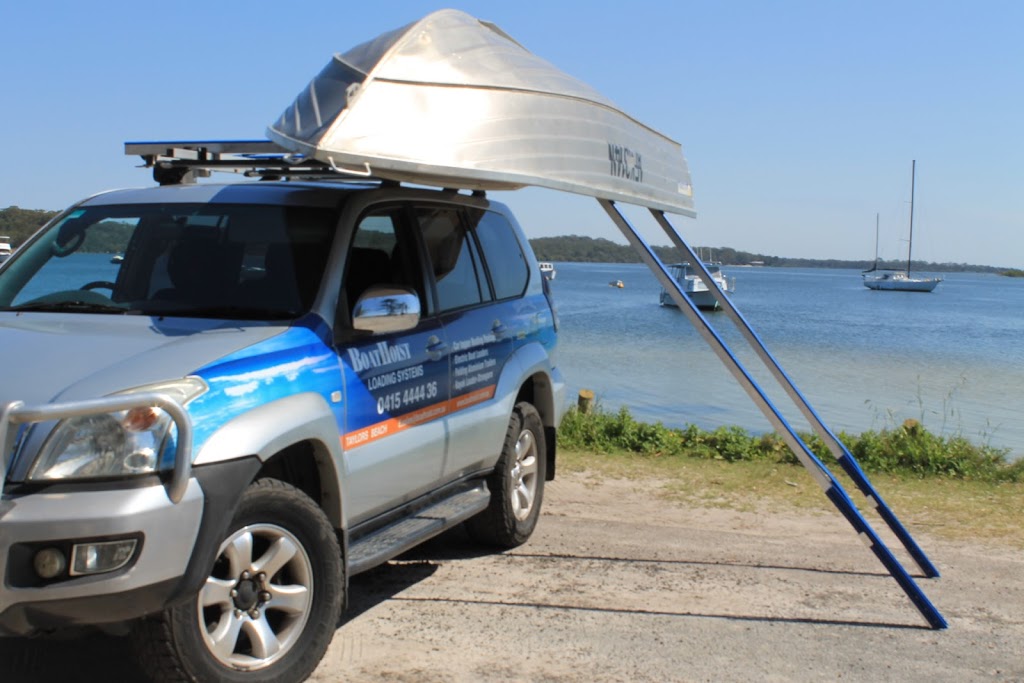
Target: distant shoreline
x=582, y=249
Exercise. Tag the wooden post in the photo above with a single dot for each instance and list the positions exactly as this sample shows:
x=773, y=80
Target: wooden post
x=585, y=401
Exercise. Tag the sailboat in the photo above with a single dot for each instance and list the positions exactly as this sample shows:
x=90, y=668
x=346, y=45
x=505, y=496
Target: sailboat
x=899, y=280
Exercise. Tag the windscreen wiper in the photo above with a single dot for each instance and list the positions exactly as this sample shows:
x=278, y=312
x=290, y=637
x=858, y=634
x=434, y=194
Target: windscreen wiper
x=73, y=306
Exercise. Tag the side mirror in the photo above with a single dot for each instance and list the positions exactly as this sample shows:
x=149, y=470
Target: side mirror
x=386, y=308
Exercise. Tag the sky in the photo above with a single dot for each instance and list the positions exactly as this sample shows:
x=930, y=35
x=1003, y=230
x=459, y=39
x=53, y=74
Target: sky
x=799, y=119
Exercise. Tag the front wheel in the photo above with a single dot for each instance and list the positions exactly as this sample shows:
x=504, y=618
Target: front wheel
x=268, y=609
x=517, y=483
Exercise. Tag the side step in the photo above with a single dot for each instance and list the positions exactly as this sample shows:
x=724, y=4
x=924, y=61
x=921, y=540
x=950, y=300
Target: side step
x=393, y=540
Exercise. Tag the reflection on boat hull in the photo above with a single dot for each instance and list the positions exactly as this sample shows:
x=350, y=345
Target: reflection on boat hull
x=694, y=288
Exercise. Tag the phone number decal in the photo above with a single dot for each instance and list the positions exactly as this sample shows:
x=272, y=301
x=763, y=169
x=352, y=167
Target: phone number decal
x=395, y=401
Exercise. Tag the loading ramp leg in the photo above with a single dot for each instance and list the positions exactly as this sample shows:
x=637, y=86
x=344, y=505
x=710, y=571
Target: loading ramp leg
x=837, y=448
x=817, y=469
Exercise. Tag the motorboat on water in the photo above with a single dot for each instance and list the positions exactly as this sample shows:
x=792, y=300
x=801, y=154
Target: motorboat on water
x=693, y=286
x=547, y=269
x=5, y=248
x=899, y=280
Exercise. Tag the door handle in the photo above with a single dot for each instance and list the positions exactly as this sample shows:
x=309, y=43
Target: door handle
x=436, y=348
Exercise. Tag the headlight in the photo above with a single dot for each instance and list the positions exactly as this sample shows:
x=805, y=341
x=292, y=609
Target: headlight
x=118, y=444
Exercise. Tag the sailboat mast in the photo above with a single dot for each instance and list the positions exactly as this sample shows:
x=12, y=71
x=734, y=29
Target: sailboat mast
x=876, y=243
x=910, y=244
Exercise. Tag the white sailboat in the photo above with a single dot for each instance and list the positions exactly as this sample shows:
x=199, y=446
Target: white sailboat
x=899, y=280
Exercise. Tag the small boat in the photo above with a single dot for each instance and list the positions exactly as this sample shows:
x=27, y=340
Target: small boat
x=117, y=258
x=547, y=269
x=5, y=248
x=693, y=286
x=899, y=280
x=618, y=284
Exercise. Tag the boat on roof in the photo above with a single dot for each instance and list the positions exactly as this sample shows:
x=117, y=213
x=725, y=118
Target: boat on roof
x=453, y=101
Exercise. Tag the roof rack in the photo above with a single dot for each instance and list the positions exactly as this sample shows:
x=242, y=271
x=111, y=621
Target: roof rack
x=180, y=162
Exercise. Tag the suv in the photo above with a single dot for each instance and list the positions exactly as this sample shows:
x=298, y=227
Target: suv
x=225, y=400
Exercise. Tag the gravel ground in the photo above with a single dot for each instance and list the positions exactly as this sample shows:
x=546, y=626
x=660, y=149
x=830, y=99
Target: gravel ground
x=618, y=585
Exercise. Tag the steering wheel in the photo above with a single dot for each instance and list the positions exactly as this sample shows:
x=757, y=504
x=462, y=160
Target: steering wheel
x=98, y=284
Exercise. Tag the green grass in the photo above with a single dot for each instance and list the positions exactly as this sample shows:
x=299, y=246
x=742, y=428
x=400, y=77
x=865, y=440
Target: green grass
x=907, y=449
x=945, y=486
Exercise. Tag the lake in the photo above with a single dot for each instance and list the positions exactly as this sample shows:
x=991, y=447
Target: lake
x=952, y=359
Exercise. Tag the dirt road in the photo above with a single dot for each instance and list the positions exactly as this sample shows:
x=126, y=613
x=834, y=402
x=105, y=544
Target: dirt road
x=618, y=585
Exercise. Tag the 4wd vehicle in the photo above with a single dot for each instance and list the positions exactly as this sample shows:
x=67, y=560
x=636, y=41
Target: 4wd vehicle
x=225, y=400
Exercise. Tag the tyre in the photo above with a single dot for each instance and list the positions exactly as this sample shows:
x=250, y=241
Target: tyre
x=517, y=483
x=271, y=603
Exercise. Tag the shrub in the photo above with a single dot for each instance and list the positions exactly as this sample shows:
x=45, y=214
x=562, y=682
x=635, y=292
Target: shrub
x=906, y=449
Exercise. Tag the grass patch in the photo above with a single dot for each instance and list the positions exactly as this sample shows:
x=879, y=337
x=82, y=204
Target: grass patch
x=907, y=449
x=944, y=486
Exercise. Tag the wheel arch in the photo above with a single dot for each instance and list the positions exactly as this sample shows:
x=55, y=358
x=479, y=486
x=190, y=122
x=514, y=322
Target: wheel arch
x=296, y=441
x=538, y=390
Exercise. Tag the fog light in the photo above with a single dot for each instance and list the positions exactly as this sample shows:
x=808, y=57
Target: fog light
x=96, y=558
x=49, y=563
x=142, y=460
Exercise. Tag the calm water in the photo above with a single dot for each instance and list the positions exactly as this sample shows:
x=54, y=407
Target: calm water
x=953, y=359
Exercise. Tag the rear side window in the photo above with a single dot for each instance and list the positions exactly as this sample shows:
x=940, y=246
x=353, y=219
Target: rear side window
x=502, y=253
x=453, y=258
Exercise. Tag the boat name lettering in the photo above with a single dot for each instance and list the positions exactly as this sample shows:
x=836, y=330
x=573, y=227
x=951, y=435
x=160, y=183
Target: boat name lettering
x=383, y=354
x=625, y=163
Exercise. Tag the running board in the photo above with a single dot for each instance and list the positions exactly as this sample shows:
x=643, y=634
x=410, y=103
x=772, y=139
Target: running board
x=819, y=472
x=393, y=540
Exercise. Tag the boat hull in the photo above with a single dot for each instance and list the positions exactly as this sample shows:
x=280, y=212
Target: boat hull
x=703, y=300
x=904, y=284
x=454, y=102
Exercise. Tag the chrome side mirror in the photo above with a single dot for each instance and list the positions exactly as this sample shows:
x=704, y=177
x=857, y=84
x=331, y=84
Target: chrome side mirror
x=386, y=308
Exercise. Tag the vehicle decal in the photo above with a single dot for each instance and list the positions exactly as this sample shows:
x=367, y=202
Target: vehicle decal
x=292, y=362
x=394, y=425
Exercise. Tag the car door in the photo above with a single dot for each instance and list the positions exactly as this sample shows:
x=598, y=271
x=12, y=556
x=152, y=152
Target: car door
x=481, y=331
x=396, y=385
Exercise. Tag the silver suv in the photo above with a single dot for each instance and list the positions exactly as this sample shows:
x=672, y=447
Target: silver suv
x=223, y=401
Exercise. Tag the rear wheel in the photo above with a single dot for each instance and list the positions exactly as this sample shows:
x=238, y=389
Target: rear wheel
x=517, y=483
x=268, y=609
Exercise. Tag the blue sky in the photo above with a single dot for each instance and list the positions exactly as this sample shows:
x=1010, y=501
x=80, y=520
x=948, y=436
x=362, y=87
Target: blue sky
x=799, y=119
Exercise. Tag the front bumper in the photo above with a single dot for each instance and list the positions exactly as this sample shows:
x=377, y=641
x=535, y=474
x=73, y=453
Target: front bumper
x=167, y=531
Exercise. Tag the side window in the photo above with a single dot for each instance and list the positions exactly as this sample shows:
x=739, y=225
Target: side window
x=369, y=259
x=502, y=253
x=453, y=257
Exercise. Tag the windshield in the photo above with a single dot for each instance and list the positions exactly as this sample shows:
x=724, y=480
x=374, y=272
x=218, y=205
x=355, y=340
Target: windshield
x=188, y=260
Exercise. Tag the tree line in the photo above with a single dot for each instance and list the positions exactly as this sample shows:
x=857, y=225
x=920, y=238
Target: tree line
x=578, y=248
x=19, y=224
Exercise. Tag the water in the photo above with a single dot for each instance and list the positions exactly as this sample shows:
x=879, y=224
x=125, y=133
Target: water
x=953, y=359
